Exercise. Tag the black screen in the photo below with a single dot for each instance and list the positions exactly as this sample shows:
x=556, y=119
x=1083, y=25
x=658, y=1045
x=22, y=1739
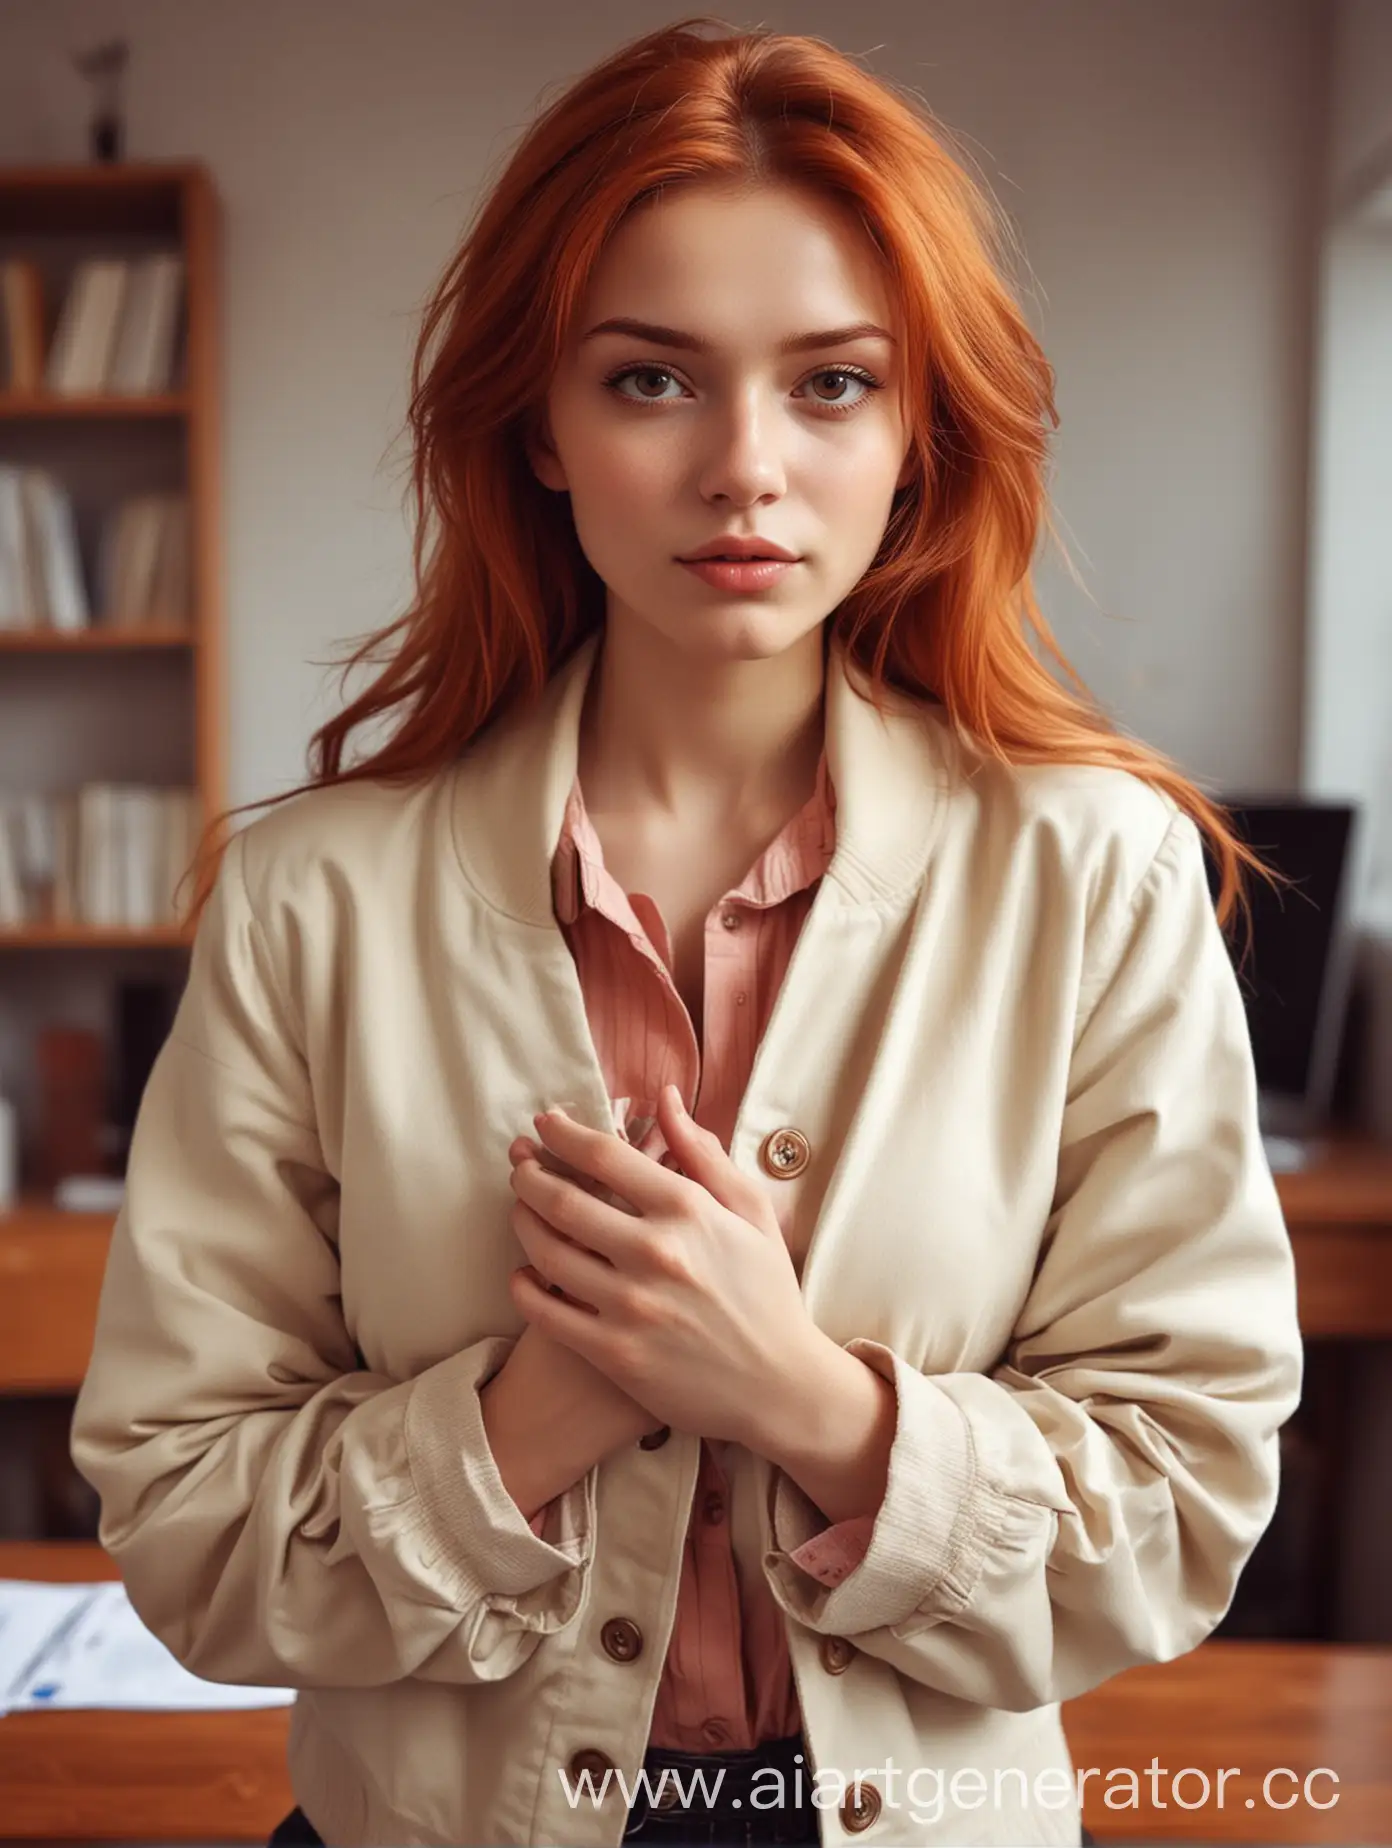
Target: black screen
x=1283, y=975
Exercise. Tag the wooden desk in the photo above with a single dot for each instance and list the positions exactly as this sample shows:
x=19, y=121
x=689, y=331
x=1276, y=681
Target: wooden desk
x=51, y=1266
x=1257, y=1708
x=147, y=1777
x=220, y=1777
x=1339, y=1215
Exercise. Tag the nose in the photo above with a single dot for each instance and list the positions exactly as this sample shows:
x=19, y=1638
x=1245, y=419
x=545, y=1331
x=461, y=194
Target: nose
x=744, y=462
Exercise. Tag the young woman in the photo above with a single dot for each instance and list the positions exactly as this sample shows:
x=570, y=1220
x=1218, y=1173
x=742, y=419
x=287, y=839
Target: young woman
x=703, y=1209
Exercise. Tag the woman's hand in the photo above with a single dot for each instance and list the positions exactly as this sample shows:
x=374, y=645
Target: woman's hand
x=689, y=1303
x=544, y=1372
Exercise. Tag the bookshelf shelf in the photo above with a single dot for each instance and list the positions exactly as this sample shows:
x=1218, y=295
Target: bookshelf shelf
x=94, y=937
x=15, y=405
x=93, y=641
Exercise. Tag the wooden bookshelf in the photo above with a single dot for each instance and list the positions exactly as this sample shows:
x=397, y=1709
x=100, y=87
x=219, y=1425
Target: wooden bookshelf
x=102, y=207
x=120, y=701
x=63, y=936
x=51, y=1266
x=92, y=641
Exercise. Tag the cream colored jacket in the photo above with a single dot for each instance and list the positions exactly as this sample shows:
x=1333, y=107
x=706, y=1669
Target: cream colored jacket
x=1037, y=1202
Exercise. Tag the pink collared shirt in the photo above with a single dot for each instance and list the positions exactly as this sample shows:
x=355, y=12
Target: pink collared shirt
x=727, y=1682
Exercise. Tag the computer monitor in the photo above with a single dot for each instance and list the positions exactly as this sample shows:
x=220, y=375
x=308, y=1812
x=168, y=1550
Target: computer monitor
x=1295, y=977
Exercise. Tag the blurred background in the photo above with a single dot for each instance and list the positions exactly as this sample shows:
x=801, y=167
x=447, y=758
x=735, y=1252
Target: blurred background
x=218, y=224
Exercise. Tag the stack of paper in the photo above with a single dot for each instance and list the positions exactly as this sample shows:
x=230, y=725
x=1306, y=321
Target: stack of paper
x=83, y=1646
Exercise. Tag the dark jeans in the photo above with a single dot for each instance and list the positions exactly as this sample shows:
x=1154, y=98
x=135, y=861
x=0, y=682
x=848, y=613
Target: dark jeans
x=676, y=1811
x=707, y=1797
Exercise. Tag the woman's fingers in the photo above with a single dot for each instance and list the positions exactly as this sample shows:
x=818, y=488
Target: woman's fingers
x=558, y=1260
x=578, y=1209
x=609, y=1162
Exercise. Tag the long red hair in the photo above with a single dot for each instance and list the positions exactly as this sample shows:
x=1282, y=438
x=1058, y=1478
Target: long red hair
x=502, y=592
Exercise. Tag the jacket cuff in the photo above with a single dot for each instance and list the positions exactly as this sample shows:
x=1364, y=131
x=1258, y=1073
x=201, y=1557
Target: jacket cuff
x=477, y=1533
x=924, y=1548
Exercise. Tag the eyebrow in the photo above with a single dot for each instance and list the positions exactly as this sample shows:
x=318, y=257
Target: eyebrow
x=692, y=343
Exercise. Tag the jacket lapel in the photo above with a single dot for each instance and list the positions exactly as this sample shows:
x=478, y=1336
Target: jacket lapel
x=890, y=773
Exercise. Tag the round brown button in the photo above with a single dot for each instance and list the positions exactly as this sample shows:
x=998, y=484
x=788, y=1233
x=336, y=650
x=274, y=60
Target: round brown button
x=591, y=1759
x=860, y=1808
x=836, y=1654
x=654, y=1440
x=715, y=1732
x=730, y=919
x=622, y=1639
x=785, y=1153
x=713, y=1509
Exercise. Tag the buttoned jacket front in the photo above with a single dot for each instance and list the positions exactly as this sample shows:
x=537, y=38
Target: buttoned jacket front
x=1011, y=1047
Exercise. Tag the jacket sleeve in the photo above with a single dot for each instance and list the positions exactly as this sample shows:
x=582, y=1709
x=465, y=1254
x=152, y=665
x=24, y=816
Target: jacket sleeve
x=1090, y=1503
x=280, y=1515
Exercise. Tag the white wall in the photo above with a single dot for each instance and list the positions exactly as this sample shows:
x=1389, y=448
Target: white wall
x=1158, y=160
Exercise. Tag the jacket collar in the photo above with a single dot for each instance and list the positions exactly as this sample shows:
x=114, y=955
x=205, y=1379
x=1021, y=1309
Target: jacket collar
x=891, y=774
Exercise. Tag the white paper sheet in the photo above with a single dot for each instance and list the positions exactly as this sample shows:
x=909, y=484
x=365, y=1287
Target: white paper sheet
x=84, y=1646
x=30, y=1616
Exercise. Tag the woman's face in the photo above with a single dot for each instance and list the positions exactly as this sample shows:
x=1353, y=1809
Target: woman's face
x=698, y=419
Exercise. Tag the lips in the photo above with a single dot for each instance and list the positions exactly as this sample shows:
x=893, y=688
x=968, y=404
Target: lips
x=741, y=552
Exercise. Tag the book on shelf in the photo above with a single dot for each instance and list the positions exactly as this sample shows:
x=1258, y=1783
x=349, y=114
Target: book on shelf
x=144, y=567
x=105, y=855
x=144, y=559
x=22, y=321
x=118, y=327
x=41, y=580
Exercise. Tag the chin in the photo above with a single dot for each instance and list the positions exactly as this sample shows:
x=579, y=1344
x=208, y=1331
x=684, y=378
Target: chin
x=745, y=642
x=749, y=633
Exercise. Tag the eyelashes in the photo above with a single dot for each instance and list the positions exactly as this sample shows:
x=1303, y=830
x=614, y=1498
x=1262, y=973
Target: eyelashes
x=650, y=370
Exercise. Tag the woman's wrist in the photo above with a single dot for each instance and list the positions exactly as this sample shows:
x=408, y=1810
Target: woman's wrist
x=543, y=1434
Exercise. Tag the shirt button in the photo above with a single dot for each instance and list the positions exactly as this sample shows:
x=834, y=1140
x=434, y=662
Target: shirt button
x=741, y=998
x=713, y=1509
x=715, y=1732
x=730, y=919
x=785, y=1153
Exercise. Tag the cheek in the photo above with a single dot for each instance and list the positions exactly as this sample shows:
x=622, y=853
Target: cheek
x=616, y=489
x=852, y=488
x=862, y=468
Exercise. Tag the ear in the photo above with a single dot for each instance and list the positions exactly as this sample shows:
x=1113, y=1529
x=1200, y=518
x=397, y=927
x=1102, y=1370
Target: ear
x=545, y=463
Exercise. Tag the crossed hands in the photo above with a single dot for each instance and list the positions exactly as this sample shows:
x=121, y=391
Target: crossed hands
x=689, y=1303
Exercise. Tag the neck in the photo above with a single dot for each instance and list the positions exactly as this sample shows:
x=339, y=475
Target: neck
x=699, y=741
